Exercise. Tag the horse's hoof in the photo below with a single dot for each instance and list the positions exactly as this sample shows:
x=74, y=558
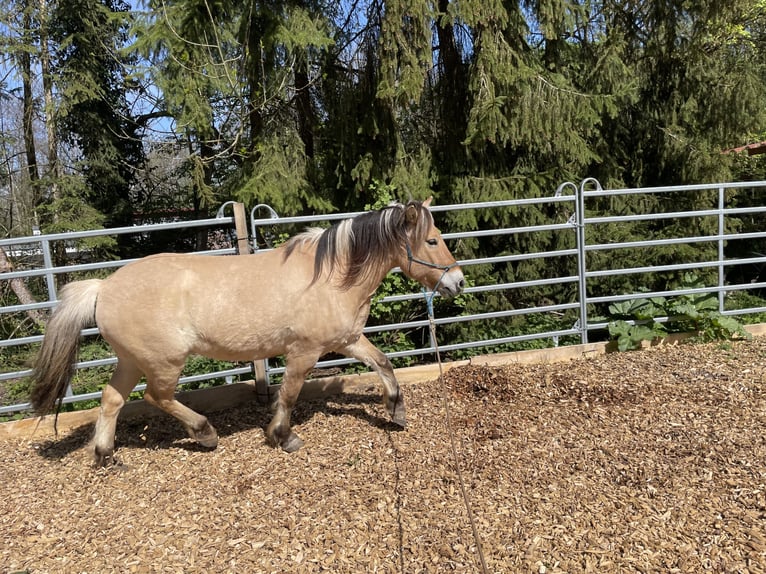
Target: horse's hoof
x=210, y=443
x=400, y=421
x=102, y=461
x=103, y=457
x=398, y=415
x=293, y=443
x=207, y=437
x=208, y=440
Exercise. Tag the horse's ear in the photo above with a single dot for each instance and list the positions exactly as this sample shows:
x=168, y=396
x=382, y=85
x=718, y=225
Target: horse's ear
x=427, y=202
x=411, y=214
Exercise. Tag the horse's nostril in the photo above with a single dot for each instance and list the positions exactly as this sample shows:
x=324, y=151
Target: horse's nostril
x=461, y=284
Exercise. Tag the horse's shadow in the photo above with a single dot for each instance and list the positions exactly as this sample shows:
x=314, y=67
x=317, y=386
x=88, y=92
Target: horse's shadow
x=161, y=431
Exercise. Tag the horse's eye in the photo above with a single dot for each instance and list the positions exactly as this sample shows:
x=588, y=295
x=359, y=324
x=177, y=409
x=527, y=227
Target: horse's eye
x=432, y=241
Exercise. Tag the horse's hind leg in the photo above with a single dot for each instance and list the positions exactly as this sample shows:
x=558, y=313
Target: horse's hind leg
x=371, y=356
x=160, y=391
x=279, y=433
x=125, y=377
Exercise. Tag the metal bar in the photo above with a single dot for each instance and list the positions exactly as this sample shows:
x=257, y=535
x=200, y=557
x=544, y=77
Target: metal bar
x=669, y=189
x=473, y=317
x=587, y=189
x=80, y=267
x=674, y=241
x=582, y=288
x=134, y=229
x=721, y=243
x=520, y=257
x=675, y=267
x=38, y=339
x=96, y=395
x=653, y=216
x=675, y=293
x=49, y=279
x=506, y=231
x=433, y=208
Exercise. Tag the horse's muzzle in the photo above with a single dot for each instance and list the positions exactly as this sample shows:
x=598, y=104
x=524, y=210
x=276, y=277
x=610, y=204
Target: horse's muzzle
x=452, y=283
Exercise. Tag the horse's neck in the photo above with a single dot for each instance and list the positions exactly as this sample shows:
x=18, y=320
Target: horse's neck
x=368, y=283
x=366, y=288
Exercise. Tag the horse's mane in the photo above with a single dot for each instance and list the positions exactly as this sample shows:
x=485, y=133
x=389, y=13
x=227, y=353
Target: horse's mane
x=357, y=247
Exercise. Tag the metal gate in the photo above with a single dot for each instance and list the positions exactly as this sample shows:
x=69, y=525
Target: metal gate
x=581, y=216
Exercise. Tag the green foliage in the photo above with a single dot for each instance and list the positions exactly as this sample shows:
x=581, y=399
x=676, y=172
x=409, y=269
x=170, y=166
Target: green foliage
x=301, y=29
x=687, y=313
x=405, y=51
x=70, y=212
x=743, y=300
x=380, y=195
x=699, y=314
x=413, y=176
x=307, y=104
x=231, y=76
x=264, y=181
x=640, y=309
x=394, y=283
x=630, y=337
x=94, y=114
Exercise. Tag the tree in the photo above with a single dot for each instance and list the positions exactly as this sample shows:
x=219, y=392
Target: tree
x=231, y=91
x=699, y=88
x=21, y=169
x=94, y=116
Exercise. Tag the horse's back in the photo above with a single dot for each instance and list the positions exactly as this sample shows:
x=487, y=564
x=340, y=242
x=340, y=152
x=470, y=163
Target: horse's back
x=229, y=307
x=174, y=275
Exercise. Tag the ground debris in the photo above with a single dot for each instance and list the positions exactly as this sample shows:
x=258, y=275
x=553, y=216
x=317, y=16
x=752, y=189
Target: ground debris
x=650, y=461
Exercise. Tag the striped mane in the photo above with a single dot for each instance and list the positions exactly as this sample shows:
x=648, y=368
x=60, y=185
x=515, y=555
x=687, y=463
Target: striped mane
x=359, y=247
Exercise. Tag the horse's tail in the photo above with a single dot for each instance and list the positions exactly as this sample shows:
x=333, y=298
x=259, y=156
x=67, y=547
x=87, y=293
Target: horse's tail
x=54, y=367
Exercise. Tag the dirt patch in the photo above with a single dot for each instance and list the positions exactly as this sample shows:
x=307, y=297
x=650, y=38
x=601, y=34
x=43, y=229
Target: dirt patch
x=652, y=461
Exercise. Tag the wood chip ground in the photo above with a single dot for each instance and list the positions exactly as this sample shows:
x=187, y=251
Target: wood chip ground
x=651, y=461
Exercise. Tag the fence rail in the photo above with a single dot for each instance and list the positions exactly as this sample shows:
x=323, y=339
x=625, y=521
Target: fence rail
x=579, y=226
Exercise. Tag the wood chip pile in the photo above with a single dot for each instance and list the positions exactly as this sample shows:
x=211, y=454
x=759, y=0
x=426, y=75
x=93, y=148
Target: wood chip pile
x=653, y=461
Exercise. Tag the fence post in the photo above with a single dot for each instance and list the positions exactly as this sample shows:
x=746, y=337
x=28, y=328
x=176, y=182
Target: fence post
x=582, y=290
x=50, y=280
x=581, y=252
x=240, y=225
x=721, y=252
x=260, y=368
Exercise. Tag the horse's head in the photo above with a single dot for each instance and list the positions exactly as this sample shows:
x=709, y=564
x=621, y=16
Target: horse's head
x=426, y=258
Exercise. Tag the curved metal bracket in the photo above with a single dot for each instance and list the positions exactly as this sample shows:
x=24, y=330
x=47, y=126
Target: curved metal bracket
x=272, y=215
x=219, y=214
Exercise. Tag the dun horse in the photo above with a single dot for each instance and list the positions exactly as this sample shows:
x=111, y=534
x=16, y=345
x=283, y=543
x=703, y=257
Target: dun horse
x=306, y=298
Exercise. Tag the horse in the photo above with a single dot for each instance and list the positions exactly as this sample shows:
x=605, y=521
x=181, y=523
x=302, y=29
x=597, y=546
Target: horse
x=306, y=298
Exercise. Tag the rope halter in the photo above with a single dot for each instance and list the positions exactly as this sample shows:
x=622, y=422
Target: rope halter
x=445, y=269
x=412, y=259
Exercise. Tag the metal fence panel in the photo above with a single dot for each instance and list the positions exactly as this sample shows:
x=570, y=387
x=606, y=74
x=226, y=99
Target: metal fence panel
x=268, y=228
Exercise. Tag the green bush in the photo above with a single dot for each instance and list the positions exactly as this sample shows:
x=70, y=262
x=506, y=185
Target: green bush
x=688, y=313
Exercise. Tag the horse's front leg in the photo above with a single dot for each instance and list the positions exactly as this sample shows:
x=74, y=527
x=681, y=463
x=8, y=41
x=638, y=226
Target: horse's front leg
x=279, y=432
x=393, y=399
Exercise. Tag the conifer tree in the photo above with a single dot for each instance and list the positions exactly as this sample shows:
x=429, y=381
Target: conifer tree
x=236, y=81
x=94, y=116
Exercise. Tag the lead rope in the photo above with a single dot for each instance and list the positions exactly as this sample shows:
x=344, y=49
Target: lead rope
x=448, y=417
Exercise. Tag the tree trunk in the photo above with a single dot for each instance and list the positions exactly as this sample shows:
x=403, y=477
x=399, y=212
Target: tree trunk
x=306, y=119
x=18, y=286
x=50, y=109
x=452, y=97
x=29, y=111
